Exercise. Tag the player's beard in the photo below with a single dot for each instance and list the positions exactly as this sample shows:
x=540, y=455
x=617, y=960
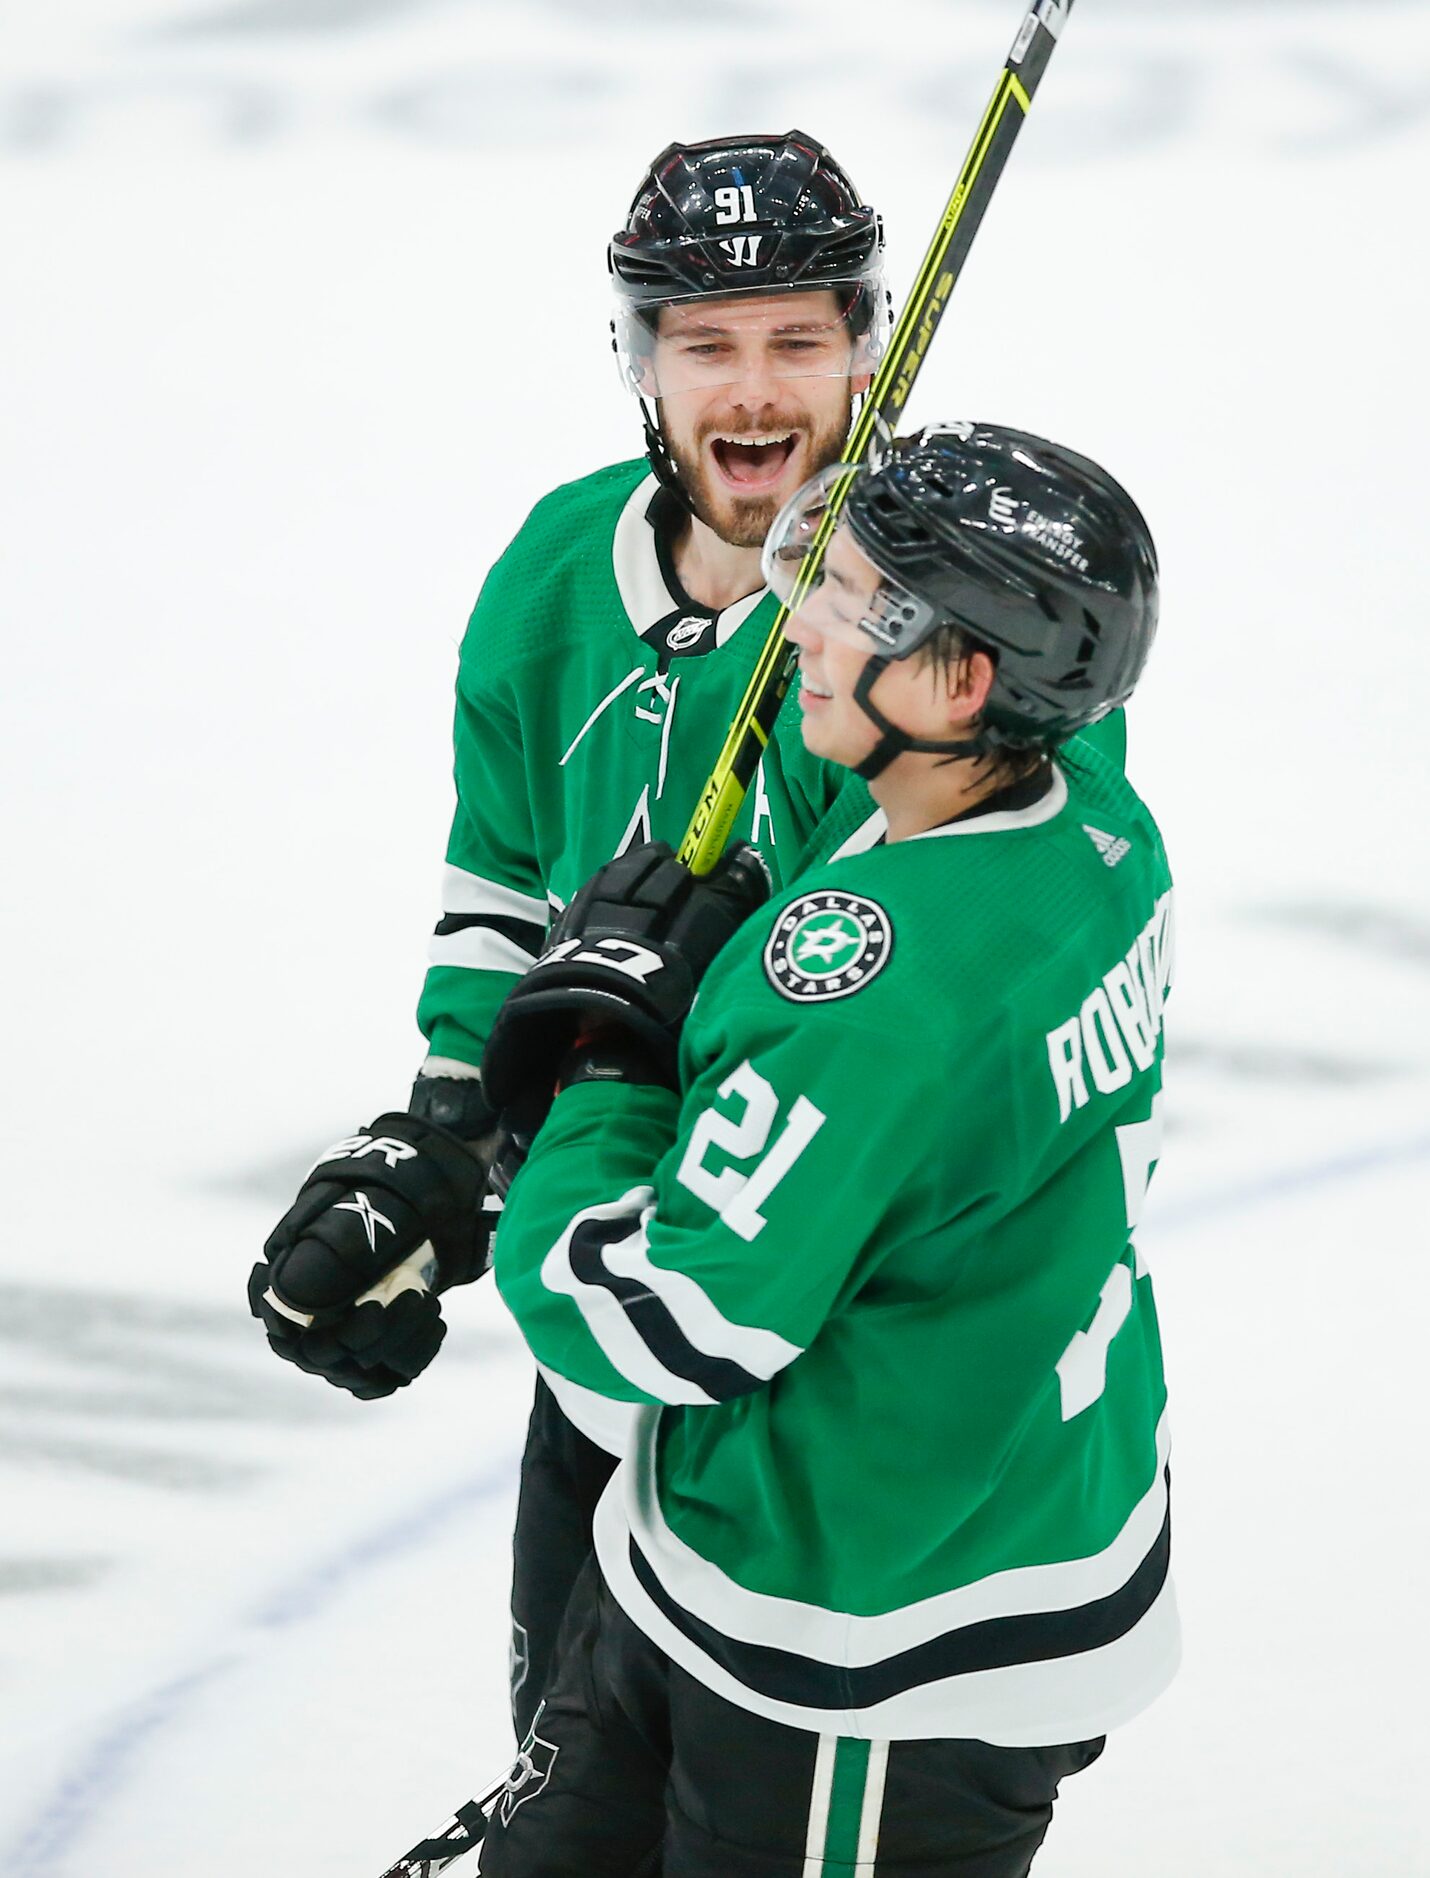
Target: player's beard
x=744, y=522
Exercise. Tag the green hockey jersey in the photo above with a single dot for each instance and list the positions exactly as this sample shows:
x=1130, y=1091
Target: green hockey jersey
x=593, y=697
x=902, y=1468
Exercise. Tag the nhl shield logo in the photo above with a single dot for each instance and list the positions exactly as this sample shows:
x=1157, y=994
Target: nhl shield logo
x=532, y=1769
x=827, y=945
x=685, y=632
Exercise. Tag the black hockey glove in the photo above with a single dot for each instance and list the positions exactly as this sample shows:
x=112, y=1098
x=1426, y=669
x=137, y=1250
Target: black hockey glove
x=625, y=957
x=347, y=1285
x=608, y=1055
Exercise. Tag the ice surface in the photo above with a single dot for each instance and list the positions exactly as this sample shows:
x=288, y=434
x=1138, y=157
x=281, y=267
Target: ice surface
x=285, y=358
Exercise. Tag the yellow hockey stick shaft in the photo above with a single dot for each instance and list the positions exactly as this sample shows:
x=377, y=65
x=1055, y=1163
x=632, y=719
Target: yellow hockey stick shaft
x=753, y=725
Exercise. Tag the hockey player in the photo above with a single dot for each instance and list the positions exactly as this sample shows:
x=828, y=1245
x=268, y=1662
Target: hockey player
x=603, y=664
x=889, y=1553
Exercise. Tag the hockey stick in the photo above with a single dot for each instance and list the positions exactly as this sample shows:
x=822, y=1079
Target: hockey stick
x=461, y=1834
x=749, y=733
x=753, y=724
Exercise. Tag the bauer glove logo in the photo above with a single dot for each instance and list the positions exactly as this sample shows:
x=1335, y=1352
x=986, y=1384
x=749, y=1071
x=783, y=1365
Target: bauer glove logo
x=354, y=1147
x=368, y=1214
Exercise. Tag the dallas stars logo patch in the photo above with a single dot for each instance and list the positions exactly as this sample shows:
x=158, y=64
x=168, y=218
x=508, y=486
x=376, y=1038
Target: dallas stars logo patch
x=534, y=1760
x=828, y=945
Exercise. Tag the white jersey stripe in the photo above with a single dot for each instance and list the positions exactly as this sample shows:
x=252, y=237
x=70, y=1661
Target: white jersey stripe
x=821, y=1792
x=841, y=1638
x=599, y=1417
x=463, y=892
x=872, y=1811
x=698, y=1321
x=605, y=1316
x=1070, y=1698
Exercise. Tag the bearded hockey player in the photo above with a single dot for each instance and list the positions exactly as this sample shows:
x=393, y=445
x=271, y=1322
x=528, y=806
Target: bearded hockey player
x=605, y=659
x=889, y=1552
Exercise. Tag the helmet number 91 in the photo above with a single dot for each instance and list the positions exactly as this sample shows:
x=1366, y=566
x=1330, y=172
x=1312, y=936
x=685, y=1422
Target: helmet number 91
x=735, y=205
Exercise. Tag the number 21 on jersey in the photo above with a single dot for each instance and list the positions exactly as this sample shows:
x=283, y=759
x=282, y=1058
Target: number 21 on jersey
x=734, y=1195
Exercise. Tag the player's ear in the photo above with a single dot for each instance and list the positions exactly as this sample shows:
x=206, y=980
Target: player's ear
x=861, y=368
x=969, y=680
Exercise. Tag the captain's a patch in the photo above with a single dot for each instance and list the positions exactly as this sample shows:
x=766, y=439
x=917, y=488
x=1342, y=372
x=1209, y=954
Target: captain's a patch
x=828, y=944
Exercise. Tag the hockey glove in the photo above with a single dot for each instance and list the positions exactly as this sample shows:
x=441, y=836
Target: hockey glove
x=626, y=956
x=605, y=1055
x=347, y=1287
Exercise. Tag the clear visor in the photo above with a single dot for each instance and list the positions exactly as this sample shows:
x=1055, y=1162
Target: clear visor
x=698, y=345
x=838, y=590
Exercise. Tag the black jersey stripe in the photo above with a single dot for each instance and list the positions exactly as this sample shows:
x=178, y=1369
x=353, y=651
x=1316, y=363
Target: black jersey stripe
x=650, y=1318
x=522, y=932
x=996, y=1643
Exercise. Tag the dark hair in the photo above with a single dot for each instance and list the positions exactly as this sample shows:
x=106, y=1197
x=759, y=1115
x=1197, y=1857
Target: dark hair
x=948, y=646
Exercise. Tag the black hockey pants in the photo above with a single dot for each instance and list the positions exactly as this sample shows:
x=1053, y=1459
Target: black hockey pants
x=632, y=1767
x=562, y=1477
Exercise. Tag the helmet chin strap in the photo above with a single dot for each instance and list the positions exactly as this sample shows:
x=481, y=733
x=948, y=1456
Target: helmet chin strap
x=892, y=740
x=661, y=461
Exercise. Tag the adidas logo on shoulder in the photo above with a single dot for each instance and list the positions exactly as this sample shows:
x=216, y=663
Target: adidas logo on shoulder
x=1112, y=848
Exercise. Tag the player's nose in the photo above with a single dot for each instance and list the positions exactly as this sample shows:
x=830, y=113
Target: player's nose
x=757, y=384
x=801, y=631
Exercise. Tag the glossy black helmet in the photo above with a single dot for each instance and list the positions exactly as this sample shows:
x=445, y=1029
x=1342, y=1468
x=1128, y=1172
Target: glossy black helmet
x=1031, y=552
x=743, y=217
x=746, y=214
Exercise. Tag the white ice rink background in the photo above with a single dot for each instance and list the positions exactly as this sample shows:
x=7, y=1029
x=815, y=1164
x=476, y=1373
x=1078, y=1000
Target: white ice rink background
x=303, y=305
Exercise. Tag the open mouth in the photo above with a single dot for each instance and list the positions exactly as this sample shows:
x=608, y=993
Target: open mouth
x=810, y=692
x=753, y=462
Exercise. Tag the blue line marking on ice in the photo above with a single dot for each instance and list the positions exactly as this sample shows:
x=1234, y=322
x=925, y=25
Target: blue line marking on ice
x=81, y=1795
x=305, y=1596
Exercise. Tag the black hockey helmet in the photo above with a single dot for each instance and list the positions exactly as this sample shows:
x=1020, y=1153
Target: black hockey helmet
x=1031, y=552
x=742, y=216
